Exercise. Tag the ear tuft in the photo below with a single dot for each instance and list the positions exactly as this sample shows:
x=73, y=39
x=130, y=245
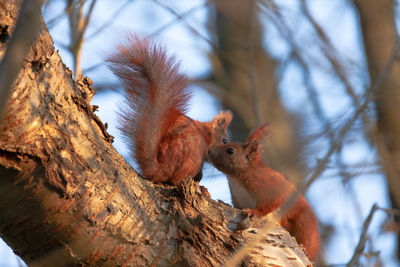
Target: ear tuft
x=253, y=146
x=258, y=133
x=252, y=149
x=222, y=120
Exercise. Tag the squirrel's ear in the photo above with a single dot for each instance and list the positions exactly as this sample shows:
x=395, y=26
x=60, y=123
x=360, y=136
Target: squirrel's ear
x=253, y=146
x=258, y=133
x=252, y=149
x=222, y=120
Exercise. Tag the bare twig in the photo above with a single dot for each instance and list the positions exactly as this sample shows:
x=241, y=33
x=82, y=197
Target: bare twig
x=342, y=132
x=363, y=238
x=25, y=32
x=78, y=25
x=111, y=20
x=298, y=55
x=228, y=99
x=337, y=142
x=181, y=18
x=66, y=10
x=330, y=53
x=252, y=67
x=394, y=212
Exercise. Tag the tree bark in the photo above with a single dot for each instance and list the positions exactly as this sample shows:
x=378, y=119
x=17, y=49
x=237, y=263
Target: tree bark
x=381, y=46
x=68, y=198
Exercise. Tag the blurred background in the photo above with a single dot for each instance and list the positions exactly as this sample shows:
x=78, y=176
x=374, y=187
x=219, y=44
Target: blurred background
x=324, y=74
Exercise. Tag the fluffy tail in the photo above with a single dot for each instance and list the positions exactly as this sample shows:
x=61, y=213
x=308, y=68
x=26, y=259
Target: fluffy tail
x=155, y=95
x=303, y=224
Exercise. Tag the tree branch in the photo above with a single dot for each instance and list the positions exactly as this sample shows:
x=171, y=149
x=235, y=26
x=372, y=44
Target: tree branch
x=25, y=32
x=68, y=197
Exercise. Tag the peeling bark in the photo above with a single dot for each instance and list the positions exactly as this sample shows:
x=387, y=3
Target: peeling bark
x=68, y=198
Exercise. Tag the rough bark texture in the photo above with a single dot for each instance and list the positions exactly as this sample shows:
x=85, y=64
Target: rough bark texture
x=68, y=198
x=380, y=42
x=245, y=76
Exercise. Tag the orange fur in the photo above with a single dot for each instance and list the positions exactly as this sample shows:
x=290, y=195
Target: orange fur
x=167, y=145
x=255, y=186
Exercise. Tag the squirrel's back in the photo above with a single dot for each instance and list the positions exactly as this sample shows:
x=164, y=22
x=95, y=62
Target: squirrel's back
x=155, y=96
x=167, y=145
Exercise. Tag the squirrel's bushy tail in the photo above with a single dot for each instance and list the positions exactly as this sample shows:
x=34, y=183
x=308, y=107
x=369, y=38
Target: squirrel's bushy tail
x=155, y=96
x=304, y=226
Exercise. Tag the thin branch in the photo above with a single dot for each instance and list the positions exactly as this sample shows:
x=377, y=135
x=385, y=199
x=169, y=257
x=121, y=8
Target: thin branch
x=87, y=18
x=66, y=10
x=183, y=15
x=252, y=67
x=181, y=18
x=78, y=25
x=25, y=32
x=111, y=20
x=342, y=132
x=394, y=212
x=228, y=99
x=363, y=238
x=330, y=52
x=313, y=95
x=321, y=166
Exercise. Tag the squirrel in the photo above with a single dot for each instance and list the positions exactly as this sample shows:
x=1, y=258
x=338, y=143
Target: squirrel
x=260, y=190
x=167, y=145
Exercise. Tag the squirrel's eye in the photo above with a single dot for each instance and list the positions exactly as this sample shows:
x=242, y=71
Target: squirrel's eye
x=230, y=151
x=224, y=140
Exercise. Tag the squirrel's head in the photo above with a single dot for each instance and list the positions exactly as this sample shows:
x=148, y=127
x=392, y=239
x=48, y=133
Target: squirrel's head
x=218, y=129
x=232, y=158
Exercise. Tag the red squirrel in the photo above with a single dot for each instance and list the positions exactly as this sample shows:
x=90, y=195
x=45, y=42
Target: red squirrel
x=167, y=145
x=261, y=190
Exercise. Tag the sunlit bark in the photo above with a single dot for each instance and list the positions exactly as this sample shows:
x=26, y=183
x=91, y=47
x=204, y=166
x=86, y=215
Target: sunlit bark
x=68, y=198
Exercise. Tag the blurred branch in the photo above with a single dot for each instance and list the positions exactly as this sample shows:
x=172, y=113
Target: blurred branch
x=66, y=10
x=78, y=25
x=226, y=97
x=25, y=32
x=380, y=37
x=394, y=212
x=252, y=67
x=111, y=20
x=179, y=18
x=346, y=127
x=313, y=95
x=122, y=8
x=363, y=238
x=182, y=19
x=107, y=86
x=330, y=53
x=297, y=54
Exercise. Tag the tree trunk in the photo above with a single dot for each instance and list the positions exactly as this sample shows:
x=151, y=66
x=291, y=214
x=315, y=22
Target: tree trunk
x=68, y=198
x=381, y=45
x=245, y=76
